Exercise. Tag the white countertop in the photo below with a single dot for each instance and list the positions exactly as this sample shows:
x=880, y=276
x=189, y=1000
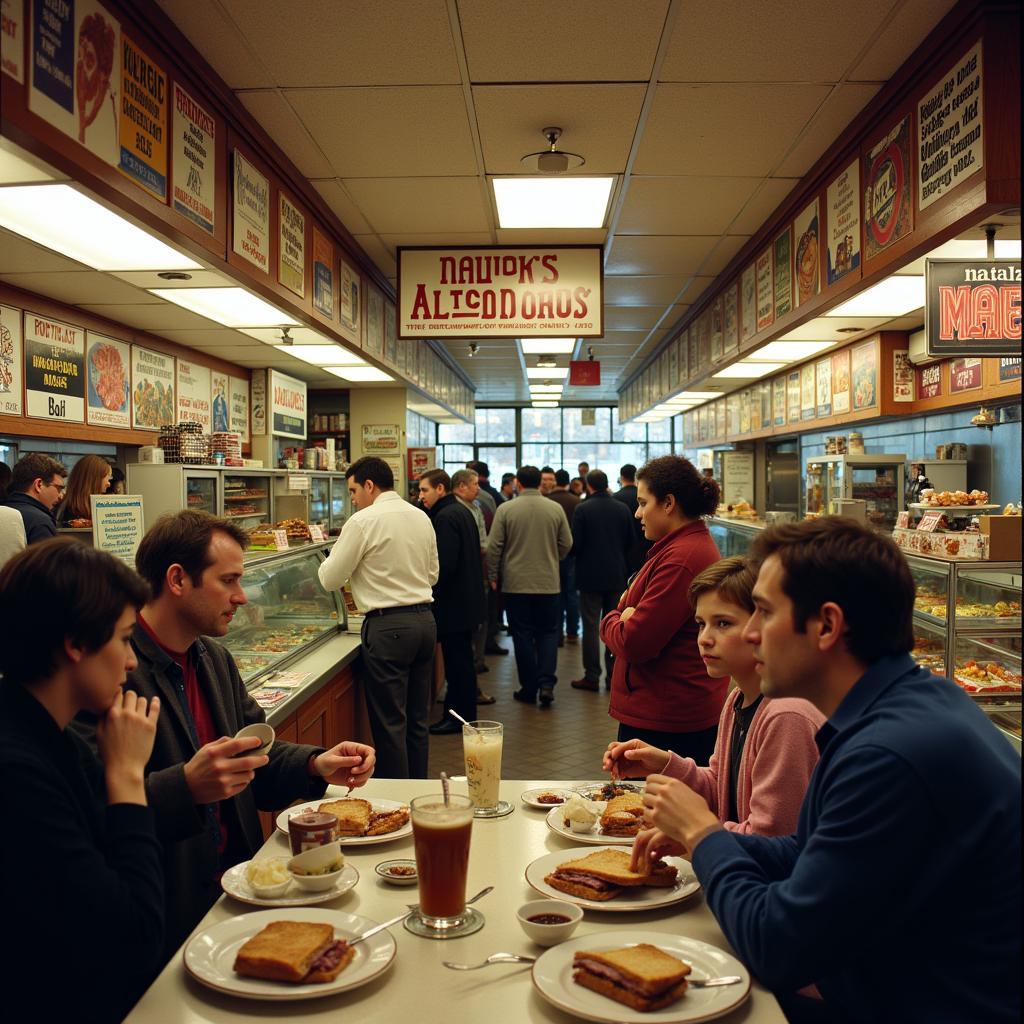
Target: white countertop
x=417, y=989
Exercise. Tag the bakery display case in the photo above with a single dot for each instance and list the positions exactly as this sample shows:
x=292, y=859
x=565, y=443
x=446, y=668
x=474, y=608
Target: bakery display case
x=173, y=487
x=288, y=612
x=248, y=496
x=733, y=536
x=320, y=500
x=877, y=480
x=341, y=503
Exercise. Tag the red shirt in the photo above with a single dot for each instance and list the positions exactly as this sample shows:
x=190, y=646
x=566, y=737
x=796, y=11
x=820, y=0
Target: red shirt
x=659, y=681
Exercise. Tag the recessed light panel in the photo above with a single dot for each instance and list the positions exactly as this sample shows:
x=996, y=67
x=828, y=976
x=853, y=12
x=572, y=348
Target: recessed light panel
x=547, y=346
x=323, y=355
x=232, y=307
x=552, y=202
x=748, y=371
x=790, y=351
x=547, y=372
x=360, y=374
x=893, y=297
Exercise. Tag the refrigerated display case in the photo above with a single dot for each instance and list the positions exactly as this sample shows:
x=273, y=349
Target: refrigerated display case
x=733, y=536
x=171, y=488
x=320, y=500
x=875, y=479
x=248, y=496
x=341, y=503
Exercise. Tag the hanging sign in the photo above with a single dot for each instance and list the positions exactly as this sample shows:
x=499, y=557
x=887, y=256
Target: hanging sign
x=251, y=221
x=972, y=307
x=287, y=405
x=291, y=250
x=220, y=407
x=152, y=389
x=193, y=170
x=501, y=292
x=888, y=209
x=238, y=390
x=12, y=39
x=108, y=363
x=584, y=373
x=323, y=274
x=11, y=374
x=117, y=524
x=143, y=120
x=843, y=221
x=54, y=369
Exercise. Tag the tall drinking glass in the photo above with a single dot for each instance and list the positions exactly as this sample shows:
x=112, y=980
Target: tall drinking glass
x=481, y=747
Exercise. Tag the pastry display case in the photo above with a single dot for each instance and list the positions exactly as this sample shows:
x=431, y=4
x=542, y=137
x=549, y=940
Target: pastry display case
x=172, y=487
x=248, y=496
x=877, y=480
x=341, y=503
x=320, y=500
x=733, y=536
x=288, y=612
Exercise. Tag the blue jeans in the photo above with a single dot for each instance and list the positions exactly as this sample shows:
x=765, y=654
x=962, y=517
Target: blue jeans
x=569, y=598
x=534, y=621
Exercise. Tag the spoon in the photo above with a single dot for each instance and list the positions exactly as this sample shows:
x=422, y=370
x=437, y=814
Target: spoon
x=459, y=718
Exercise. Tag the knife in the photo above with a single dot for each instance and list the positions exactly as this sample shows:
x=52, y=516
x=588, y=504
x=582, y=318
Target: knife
x=379, y=928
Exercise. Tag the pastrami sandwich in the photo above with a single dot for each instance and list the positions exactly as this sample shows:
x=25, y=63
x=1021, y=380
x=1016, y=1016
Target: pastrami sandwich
x=300, y=952
x=641, y=976
x=623, y=816
x=383, y=822
x=353, y=815
x=602, y=875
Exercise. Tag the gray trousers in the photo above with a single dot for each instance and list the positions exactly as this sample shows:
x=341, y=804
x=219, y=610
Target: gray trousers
x=594, y=606
x=398, y=671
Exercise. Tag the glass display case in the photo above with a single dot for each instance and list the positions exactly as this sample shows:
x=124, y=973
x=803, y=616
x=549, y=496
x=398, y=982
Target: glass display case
x=877, y=480
x=247, y=496
x=341, y=503
x=320, y=500
x=288, y=612
x=733, y=537
x=171, y=488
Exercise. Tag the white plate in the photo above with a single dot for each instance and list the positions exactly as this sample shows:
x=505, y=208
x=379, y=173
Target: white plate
x=552, y=977
x=378, y=805
x=210, y=955
x=641, y=897
x=556, y=822
x=234, y=883
x=592, y=790
x=529, y=797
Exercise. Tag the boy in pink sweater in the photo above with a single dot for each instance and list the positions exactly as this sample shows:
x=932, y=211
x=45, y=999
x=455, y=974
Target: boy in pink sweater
x=765, y=751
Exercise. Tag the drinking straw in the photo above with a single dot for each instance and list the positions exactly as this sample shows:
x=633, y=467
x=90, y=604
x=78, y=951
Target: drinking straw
x=445, y=787
x=456, y=715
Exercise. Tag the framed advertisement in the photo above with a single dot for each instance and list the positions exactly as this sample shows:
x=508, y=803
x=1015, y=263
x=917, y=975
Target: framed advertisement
x=374, y=343
x=783, y=273
x=808, y=394
x=864, y=375
x=793, y=396
x=823, y=383
x=287, y=405
x=238, y=390
x=193, y=167
x=673, y=365
x=748, y=303
x=291, y=248
x=12, y=374
x=693, y=355
x=807, y=253
x=841, y=381
x=153, y=390
x=220, y=402
x=755, y=407
x=194, y=394
x=704, y=339
x=842, y=217
x=929, y=380
x=323, y=274
x=683, y=347
x=730, y=320
x=720, y=418
x=964, y=375
x=765, y=293
x=902, y=376
x=390, y=335
x=888, y=207
x=349, y=298
x=745, y=411
x=108, y=381
x=732, y=415
x=779, y=400
x=250, y=233
x=765, y=389
x=142, y=132
x=716, y=331
x=54, y=369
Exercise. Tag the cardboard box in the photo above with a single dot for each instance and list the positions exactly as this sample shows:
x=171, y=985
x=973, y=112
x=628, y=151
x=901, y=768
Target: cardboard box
x=1004, y=534
x=150, y=453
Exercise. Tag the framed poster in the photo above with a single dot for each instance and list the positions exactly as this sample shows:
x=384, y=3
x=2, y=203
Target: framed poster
x=864, y=375
x=349, y=298
x=720, y=417
x=793, y=396
x=143, y=119
x=381, y=437
x=716, y=331
x=323, y=274
x=964, y=375
x=888, y=208
x=238, y=390
x=194, y=394
x=704, y=339
x=766, y=403
x=374, y=343
x=117, y=524
x=693, y=355
x=807, y=255
x=748, y=303
x=765, y=294
x=291, y=249
x=153, y=403
x=732, y=415
x=193, y=165
x=250, y=233
x=902, y=376
x=12, y=40
x=673, y=365
x=108, y=376
x=220, y=402
x=808, y=394
x=841, y=381
x=779, y=400
x=258, y=386
x=755, y=407
x=11, y=366
x=842, y=215
x=730, y=320
x=683, y=347
x=54, y=369
x=390, y=334
x=1009, y=368
x=287, y=405
x=823, y=382
x=745, y=411
x=929, y=380
x=783, y=273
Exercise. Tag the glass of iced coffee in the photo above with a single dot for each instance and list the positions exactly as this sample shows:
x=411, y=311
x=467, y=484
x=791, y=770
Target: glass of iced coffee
x=441, y=832
x=481, y=748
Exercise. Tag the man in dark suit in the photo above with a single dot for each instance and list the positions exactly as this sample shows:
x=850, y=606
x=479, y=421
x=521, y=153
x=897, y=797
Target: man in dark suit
x=627, y=495
x=601, y=537
x=457, y=607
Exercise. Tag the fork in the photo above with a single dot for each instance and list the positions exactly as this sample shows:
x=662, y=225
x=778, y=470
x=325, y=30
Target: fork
x=494, y=958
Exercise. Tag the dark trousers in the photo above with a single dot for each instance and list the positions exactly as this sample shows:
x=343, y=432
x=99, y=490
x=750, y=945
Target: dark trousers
x=398, y=666
x=594, y=606
x=534, y=621
x=457, y=649
x=493, y=616
x=698, y=745
x=568, y=596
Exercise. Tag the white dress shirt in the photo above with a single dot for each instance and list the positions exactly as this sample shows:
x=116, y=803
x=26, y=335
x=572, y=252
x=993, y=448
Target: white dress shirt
x=388, y=552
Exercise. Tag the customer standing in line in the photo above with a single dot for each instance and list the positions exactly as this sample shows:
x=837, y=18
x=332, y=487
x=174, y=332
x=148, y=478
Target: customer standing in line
x=568, y=593
x=661, y=693
x=85, y=932
x=89, y=475
x=602, y=531
x=488, y=499
x=12, y=526
x=528, y=539
x=387, y=549
x=627, y=495
x=457, y=607
x=492, y=498
x=35, y=490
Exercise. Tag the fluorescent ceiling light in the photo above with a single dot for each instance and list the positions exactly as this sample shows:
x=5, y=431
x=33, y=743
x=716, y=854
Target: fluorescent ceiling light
x=69, y=222
x=552, y=202
x=748, y=371
x=323, y=355
x=552, y=389
x=547, y=346
x=540, y=404
x=789, y=351
x=895, y=296
x=232, y=307
x=547, y=372
x=362, y=374
x=701, y=395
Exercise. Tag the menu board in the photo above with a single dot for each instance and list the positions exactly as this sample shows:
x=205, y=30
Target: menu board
x=323, y=274
x=220, y=402
x=929, y=381
x=716, y=330
x=888, y=209
x=108, y=377
x=54, y=369
x=374, y=343
x=841, y=381
x=349, y=299
x=193, y=167
x=11, y=372
x=730, y=320
x=287, y=405
x=823, y=382
x=291, y=249
x=779, y=400
x=194, y=394
x=765, y=296
x=152, y=389
x=783, y=273
x=793, y=396
x=807, y=255
x=748, y=303
x=807, y=392
x=902, y=376
x=964, y=375
x=842, y=201
x=251, y=221
x=864, y=375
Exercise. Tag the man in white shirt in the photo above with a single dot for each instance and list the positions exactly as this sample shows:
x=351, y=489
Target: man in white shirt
x=388, y=552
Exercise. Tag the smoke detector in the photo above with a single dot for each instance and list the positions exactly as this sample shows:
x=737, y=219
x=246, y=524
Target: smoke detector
x=286, y=338
x=552, y=160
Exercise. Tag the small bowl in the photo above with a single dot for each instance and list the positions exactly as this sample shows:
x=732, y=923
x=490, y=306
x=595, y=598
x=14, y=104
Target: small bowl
x=549, y=934
x=385, y=868
x=313, y=860
x=269, y=892
x=263, y=732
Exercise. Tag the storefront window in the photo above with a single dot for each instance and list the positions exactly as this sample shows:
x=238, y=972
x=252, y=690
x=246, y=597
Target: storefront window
x=542, y=425
x=549, y=454
x=455, y=433
x=573, y=428
x=627, y=431
x=495, y=425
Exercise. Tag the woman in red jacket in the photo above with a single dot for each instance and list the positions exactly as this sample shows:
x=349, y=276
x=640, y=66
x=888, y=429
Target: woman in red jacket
x=661, y=692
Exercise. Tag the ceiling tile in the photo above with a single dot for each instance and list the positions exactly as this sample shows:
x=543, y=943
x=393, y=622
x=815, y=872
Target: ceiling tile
x=77, y=288
x=659, y=254
x=642, y=291
x=762, y=205
x=420, y=204
x=597, y=121
x=216, y=337
x=379, y=253
x=389, y=132
x=630, y=318
x=696, y=287
x=905, y=30
x=440, y=239
x=765, y=41
x=157, y=317
x=316, y=44
x=717, y=129
x=574, y=40
x=337, y=198
x=20, y=256
x=196, y=279
x=282, y=124
x=683, y=205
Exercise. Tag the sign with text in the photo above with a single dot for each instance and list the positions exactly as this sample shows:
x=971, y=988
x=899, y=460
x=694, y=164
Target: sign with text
x=108, y=365
x=784, y=273
x=765, y=295
x=748, y=303
x=193, y=169
x=421, y=460
x=972, y=307
x=1009, y=368
x=888, y=207
x=54, y=369
x=902, y=376
x=251, y=221
x=348, y=299
x=194, y=394
x=964, y=375
x=11, y=373
x=143, y=119
x=584, y=373
x=323, y=274
x=117, y=524
x=929, y=522
x=381, y=437
x=843, y=222
x=259, y=403
x=291, y=250
x=239, y=407
x=929, y=381
x=12, y=39
x=501, y=292
x=823, y=383
x=287, y=405
x=841, y=381
x=152, y=389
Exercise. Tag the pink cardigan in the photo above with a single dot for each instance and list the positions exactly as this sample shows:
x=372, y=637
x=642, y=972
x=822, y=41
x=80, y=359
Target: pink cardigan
x=778, y=758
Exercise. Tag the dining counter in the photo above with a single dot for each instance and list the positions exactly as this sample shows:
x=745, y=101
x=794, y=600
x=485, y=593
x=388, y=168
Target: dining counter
x=416, y=988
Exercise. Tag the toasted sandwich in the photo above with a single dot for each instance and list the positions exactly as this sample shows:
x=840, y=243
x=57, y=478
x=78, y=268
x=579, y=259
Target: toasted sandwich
x=642, y=976
x=300, y=952
x=623, y=816
x=602, y=875
x=383, y=822
x=353, y=815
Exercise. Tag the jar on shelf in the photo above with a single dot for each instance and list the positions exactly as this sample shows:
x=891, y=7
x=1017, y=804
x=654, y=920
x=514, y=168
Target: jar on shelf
x=855, y=443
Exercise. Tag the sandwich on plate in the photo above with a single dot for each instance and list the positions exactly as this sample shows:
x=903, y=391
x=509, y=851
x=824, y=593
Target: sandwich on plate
x=623, y=816
x=353, y=815
x=641, y=976
x=383, y=822
x=300, y=952
x=603, y=875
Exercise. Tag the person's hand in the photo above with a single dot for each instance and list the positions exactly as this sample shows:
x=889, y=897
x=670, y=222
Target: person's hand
x=214, y=773
x=347, y=764
x=124, y=737
x=627, y=613
x=633, y=759
x=677, y=811
x=652, y=844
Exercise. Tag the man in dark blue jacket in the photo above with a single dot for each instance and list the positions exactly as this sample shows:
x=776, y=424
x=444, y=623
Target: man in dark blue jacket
x=899, y=895
x=36, y=488
x=602, y=532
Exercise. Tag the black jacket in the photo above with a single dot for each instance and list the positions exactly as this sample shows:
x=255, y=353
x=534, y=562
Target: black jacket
x=39, y=521
x=495, y=494
x=637, y=553
x=458, y=605
x=86, y=922
x=601, y=538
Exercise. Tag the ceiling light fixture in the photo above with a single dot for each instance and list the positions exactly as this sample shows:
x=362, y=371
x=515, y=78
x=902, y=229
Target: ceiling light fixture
x=543, y=346
x=895, y=296
x=550, y=373
x=325, y=355
x=542, y=404
x=547, y=360
x=552, y=160
x=359, y=374
x=552, y=202
x=745, y=370
x=790, y=351
x=232, y=307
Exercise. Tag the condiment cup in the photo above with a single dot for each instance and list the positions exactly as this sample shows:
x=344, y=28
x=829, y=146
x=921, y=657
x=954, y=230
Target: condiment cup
x=263, y=732
x=549, y=934
x=315, y=860
x=269, y=892
x=385, y=867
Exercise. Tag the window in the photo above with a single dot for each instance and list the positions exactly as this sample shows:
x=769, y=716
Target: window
x=499, y=458
x=455, y=433
x=549, y=454
x=420, y=432
x=496, y=425
x=574, y=430
x=542, y=425
x=629, y=431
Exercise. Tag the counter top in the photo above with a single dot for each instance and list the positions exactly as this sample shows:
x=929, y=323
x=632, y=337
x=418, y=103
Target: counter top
x=417, y=987
x=323, y=663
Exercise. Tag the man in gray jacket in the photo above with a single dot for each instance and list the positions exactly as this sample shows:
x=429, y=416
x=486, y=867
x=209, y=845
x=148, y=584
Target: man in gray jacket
x=528, y=538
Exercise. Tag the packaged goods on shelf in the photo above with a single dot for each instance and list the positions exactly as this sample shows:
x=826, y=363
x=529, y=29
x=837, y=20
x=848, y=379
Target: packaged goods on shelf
x=184, y=443
x=229, y=445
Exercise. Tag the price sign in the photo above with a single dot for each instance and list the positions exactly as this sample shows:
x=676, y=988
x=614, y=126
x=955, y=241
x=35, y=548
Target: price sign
x=281, y=539
x=316, y=534
x=929, y=522
x=903, y=520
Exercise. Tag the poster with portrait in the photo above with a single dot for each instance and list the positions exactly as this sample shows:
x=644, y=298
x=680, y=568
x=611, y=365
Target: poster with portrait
x=783, y=273
x=807, y=392
x=54, y=369
x=793, y=396
x=842, y=212
x=823, y=380
x=730, y=320
x=765, y=295
x=716, y=330
x=193, y=166
x=11, y=371
x=108, y=377
x=238, y=391
x=779, y=400
x=220, y=402
x=807, y=253
x=194, y=394
x=902, y=376
x=349, y=299
x=841, y=381
x=888, y=207
x=748, y=303
x=153, y=402
x=864, y=375
x=375, y=325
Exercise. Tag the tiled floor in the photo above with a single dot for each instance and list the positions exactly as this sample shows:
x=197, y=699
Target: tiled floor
x=565, y=741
